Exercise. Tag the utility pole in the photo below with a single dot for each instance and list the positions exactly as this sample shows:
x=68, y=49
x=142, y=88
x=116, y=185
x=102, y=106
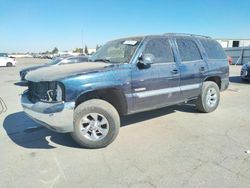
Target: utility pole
x=82, y=39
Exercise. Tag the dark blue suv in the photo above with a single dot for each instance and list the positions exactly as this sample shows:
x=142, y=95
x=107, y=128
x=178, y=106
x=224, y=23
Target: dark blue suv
x=126, y=76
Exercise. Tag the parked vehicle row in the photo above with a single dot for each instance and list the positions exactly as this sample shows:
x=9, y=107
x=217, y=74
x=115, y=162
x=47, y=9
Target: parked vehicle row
x=126, y=76
x=44, y=56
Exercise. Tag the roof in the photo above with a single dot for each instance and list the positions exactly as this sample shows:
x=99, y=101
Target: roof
x=185, y=34
x=165, y=34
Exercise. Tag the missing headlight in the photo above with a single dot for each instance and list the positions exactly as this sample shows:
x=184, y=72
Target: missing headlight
x=45, y=91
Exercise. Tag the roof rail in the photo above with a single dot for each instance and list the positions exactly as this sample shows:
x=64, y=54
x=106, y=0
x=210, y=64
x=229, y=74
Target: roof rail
x=185, y=34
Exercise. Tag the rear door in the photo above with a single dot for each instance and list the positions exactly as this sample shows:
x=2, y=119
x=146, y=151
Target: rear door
x=192, y=67
x=157, y=85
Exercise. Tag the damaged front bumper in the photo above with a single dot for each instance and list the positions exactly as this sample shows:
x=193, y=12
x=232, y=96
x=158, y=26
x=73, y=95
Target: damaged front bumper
x=55, y=116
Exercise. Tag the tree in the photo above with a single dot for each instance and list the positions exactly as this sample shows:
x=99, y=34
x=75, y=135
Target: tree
x=86, y=50
x=78, y=50
x=54, y=51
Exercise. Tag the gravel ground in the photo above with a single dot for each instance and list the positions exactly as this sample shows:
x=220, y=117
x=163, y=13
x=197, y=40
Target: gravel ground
x=169, y=147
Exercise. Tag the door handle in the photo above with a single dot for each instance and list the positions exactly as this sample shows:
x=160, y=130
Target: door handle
x=175, y=71
x=202, y=69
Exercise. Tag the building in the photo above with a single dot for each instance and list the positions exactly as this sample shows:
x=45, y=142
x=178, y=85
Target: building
x=237, y=49
x=91, y=50
x=239, y=55
x=229, y=43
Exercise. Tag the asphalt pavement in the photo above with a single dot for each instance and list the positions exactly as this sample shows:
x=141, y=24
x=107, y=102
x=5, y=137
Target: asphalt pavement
x=169, y=147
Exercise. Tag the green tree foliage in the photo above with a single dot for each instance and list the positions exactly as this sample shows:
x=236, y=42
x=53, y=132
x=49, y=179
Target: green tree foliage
x=54, y=51
x=86, y=50
x=78, y=50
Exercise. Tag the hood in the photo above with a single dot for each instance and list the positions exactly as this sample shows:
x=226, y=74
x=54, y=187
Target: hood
x=53, y=73
x=33, y=68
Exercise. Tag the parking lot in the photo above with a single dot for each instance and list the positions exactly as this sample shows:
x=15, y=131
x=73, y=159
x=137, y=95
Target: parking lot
x=170, y=147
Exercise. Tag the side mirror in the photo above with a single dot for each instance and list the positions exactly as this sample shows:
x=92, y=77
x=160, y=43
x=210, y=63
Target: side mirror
x=145, y=60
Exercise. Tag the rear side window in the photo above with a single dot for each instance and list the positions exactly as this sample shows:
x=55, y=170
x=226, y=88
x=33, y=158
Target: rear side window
x=188, y=50
x=161, y=49
x=213, y=49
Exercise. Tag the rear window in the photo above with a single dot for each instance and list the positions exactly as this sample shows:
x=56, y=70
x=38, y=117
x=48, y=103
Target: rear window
x=188, y=50
x=213, y=49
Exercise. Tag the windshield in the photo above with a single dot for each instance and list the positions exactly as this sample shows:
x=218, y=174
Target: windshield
x=54, y=61
x=118, y=51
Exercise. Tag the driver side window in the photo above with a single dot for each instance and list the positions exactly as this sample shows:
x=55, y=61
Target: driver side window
x=161, y=50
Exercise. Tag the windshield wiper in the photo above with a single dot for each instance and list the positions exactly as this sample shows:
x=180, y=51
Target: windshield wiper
x=103, y=60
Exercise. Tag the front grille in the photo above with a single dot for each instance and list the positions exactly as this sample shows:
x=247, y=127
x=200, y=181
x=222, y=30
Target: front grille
x=42, y=91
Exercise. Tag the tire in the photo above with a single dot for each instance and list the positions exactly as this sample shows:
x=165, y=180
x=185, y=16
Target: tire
x=9, y=64
x=209, y=97
x=85, y=117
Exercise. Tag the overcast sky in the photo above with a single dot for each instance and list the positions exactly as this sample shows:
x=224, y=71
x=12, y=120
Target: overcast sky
x=36, y=26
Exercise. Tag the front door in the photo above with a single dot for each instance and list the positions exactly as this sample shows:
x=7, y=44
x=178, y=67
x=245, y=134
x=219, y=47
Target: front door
x=158, y=84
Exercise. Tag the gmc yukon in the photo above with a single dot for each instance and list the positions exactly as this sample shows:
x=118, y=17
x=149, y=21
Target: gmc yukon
x=126, y=76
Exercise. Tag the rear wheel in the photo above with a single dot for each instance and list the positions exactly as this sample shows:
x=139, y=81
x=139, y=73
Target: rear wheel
x=9, y=64
x=209, y=97
x=96, y=124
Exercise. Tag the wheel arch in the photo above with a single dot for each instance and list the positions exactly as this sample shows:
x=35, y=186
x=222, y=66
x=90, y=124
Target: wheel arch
x=216, y=79
x=9, y=63
x=112, y=95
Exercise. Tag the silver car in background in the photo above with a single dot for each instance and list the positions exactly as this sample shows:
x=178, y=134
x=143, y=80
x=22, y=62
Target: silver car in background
x=54, y=62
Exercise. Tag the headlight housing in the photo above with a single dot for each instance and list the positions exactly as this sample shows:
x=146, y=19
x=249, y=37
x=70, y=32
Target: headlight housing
x=46, y=91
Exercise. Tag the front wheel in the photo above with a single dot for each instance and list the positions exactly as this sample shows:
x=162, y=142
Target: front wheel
x=209, y=97
x=96, y=124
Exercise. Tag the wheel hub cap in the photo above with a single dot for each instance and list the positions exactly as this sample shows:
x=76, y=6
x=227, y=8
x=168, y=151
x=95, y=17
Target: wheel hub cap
x=94, y=126
x=211, y=97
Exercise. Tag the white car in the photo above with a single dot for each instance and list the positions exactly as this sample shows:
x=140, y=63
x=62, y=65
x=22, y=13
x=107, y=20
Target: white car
x=7, y=61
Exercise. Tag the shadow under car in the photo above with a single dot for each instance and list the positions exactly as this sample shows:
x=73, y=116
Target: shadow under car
x=237, y=79
x=25, y=132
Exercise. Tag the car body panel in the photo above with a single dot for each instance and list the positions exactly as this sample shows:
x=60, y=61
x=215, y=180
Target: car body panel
x=110, y=76
x=52, y=73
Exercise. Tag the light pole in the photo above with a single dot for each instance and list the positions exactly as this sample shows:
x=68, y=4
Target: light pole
x=82, y=39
